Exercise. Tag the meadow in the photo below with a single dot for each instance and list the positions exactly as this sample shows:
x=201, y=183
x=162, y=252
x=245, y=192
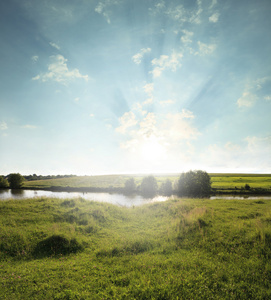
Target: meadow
x=178, y=249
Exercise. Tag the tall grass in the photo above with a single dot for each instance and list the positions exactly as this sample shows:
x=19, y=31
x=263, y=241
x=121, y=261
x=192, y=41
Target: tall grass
x=179, y=249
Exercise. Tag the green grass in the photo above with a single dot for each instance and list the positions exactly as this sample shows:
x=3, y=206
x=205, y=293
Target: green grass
x=230, y=182
x=178, y=249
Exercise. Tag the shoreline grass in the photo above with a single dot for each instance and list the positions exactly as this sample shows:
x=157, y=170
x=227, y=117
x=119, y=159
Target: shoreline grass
x=178, y=249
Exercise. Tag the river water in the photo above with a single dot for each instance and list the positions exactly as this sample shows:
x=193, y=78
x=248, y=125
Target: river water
x=117, y=199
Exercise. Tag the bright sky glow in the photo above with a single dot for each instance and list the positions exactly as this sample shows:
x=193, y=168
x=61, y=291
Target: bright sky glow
x=122, y=86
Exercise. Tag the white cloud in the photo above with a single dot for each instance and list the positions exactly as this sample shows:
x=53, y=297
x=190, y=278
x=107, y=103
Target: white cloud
x=260, y=82
x=76, y=99
x=58, y=71
x=137, y=58
x=99, y=8
x=167, y=132
x=158, y=7
x=259, y=145
x=247, y=100
x=250, y=156
x=205, y=49
x=148, y=88
x=214, y=17
x=139, y=107
x=3, y=126
x=254, y=91
x=103, y=8
x=54, y=45
x=166, y=62
x=35, y=58
x=195, y=18
x=176, y=128
x=127, y=120
x=178, y=13
x=214, y=2
x=186, y=38
x=92, y=115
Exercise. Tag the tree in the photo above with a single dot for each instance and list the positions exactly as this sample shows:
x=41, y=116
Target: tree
x=15, y=180
x=149, y=186
x=247, y=187
x=194, y=184
x=166, y=188
x=3, y=182
x=130, y=186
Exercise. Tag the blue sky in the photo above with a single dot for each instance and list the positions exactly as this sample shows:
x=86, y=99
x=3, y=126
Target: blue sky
x=124, y=86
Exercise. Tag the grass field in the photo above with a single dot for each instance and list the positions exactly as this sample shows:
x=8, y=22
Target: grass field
x=178, y=249
x=221, y=182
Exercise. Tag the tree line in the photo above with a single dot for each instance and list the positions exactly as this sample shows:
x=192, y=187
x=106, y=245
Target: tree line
x=189, y=184
x=15, y=180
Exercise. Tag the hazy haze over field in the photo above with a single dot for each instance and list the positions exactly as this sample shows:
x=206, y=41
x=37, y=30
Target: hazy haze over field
x=124, y=86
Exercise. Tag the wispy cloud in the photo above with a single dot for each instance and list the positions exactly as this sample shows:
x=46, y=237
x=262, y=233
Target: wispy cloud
x=187, y=36
x=213, y=4
x=214, y=17
x=205, y=49
x=182, y=15
x=254, y=91
x=164, y=133
x=158, y=8
x=3, y=125
x=126, y=121
x=58, y=71
x=148, y=88
x=54, y=45
x=35, y=58
x=166, y=62
x=137, y=58
x=103, y=8
x=252, y=153
x=247, y=100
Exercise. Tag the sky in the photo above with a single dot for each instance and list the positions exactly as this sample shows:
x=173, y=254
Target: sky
x=135, y=86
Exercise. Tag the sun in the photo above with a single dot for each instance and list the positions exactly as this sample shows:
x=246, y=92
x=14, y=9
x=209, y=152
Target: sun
x=151, y=149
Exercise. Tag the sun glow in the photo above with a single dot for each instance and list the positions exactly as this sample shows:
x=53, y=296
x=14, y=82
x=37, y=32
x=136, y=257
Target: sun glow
x=151, y=149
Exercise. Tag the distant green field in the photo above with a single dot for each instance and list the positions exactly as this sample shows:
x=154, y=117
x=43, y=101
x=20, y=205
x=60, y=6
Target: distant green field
x=225, y=182
x=219, y=181
x=177, y=249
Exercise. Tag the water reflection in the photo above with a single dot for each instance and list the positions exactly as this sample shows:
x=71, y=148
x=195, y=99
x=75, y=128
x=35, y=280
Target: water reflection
x=17, y=193
x=117, y=199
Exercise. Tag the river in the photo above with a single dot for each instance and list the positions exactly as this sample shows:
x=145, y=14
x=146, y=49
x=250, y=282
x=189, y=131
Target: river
x=117, y=199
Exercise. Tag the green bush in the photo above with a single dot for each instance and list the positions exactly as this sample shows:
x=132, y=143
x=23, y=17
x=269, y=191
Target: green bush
x=3, y=182
x=57, y=244
x=15, y=180
x=194, y=184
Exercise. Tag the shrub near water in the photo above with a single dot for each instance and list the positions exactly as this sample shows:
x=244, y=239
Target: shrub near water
x=178, y=249
x=57, y=244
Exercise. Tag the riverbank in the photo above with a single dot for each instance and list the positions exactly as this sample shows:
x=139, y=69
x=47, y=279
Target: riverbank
x=253, y=184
